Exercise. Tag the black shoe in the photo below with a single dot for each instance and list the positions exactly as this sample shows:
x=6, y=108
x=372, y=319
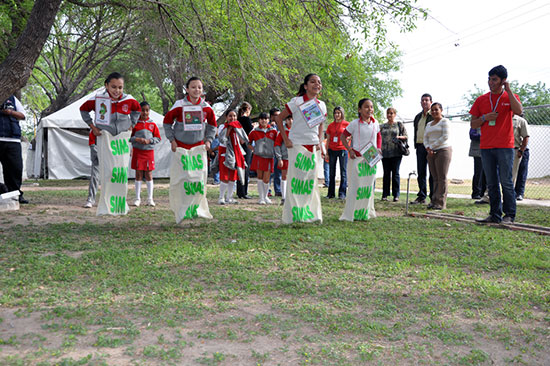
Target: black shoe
x=385, y=199
x=329, y=197
x=476, y=197
x=488, y=220
x=247, y=197
x=395, y=199
x=22, y=200
x=481, y=202
x=519, y=197
x=418, y=201
x=278, y=194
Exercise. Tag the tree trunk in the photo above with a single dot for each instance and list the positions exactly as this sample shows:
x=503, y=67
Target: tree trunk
x=17, y=67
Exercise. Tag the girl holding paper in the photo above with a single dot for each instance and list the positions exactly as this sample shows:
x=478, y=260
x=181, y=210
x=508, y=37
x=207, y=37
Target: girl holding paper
x=115, y=111
x=191, y=131
x=190, y=126
x=364, y=153
x=303, y=200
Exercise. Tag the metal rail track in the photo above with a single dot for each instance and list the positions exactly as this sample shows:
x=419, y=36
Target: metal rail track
x=543, y=230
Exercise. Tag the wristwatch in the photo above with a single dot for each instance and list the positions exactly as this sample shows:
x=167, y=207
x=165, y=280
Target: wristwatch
x=483, y=117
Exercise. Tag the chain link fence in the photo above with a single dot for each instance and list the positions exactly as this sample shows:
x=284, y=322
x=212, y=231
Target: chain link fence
x=461, y=170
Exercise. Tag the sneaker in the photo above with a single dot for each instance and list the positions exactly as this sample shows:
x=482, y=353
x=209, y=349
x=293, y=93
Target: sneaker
x=282, y=201
x=418, y=201
x=137, y=203
x=262, y=202
x=519, y=197
x=385, y=199
x=476, y=197
x=88, y=204
x=488, y=220
x=395, y=199
x=507, y=220
x=231, y=201
x=221, y=201
x=268, y=201
x=150, y=202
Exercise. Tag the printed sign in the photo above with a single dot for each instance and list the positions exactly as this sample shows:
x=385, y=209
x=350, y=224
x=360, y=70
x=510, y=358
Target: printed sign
x=192, y=118
x=102, y=111
x=312, y=113
x=371, y=154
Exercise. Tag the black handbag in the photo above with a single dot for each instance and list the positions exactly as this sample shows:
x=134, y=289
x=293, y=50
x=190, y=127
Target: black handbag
x=402, y=145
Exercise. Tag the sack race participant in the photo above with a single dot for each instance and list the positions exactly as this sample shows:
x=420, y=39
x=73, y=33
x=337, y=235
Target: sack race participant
x=190, y=126
x=188, y=173
x=115, y=113
x=303, y=200
x=114, y=158
x=365, y=135
x=360, y=198
x=302, y=195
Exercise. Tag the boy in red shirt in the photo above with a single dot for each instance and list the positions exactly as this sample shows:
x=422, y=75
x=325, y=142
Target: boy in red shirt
x=493, y=112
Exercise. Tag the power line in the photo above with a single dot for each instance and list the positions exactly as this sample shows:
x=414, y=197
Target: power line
x=437, y=46
x=500, y=32
x=433, y=45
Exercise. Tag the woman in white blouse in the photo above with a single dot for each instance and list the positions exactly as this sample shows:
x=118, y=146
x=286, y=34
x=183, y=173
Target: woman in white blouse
x=438, y=146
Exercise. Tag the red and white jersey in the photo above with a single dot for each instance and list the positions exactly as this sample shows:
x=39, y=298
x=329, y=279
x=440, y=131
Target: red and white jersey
x=125, y=112
x=264, y=141
x=147, y=130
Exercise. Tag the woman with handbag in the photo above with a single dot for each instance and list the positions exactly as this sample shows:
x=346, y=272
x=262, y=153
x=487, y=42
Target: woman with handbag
x=394, y=138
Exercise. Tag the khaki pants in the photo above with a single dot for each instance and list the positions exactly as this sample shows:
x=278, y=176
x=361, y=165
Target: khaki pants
x=439, y=166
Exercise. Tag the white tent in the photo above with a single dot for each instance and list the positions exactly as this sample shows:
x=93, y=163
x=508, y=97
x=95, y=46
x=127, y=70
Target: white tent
x=62, y=143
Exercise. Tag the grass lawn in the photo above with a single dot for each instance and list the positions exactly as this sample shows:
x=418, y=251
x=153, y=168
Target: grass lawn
x=244, y=289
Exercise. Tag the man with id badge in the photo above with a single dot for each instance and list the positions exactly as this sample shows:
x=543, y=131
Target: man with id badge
x=493, y=112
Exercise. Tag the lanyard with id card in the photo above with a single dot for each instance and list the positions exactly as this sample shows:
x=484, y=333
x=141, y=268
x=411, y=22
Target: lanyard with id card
x=102, y=111
x=192, y=117
x=494, y=108
x=312, y=113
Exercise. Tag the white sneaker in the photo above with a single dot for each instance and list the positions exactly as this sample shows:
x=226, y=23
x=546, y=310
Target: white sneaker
x=137, y=203
x=262, y=202
x=268, y=201
x=150, y=202
x=231, y=201
x=221, y=201
x=88, y=204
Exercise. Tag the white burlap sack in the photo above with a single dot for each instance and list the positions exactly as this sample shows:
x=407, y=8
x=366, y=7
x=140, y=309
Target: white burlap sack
x=114, y=158
x=360, y=197
x=188, y=173
x=303, y=200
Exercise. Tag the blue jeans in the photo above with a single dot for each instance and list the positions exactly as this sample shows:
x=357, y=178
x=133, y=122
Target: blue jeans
x=276, y=176
x=342, y=157
x=422, y=171
x=326, y=172
x=497, y=166
x=522, y=174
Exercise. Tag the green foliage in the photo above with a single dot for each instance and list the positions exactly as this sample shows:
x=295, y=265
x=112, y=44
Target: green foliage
x=13, y=18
